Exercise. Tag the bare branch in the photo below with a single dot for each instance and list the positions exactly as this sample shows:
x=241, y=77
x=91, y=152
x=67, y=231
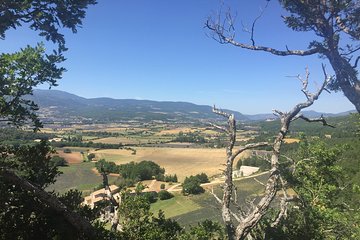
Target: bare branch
x=254, y=22
x=219, y=127
x=250, y=146
x=226, y=39
x=215, y=196
x=277, y=113
x=220, y=112
x=257, y=211
x=320, y=119
x=283, y=205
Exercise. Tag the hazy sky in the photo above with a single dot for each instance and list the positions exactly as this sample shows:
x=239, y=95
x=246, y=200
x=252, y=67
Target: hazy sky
x=159, y=50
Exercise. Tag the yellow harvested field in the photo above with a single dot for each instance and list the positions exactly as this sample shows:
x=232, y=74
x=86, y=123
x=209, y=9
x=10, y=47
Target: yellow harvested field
x=181, y=161
x=175, y=131
x=117, y=140
x=291, y=140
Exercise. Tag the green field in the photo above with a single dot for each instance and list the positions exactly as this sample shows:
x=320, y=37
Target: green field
x=189, y=210
x=78, y=176
x=175, y=206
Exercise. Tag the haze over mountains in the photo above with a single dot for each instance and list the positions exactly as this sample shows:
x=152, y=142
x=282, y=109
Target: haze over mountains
x=58, y=105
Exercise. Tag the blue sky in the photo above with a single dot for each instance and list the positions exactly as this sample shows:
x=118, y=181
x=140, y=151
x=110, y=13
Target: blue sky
x=159, y=50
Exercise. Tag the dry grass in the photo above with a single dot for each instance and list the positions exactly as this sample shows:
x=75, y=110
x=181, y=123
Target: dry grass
x=175, y=131
x=74, y=157
x=123, y=140
x=181, y=161
x=291, y=140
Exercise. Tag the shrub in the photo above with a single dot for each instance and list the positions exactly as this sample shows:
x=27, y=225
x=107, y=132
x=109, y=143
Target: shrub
x=163, y=195
x=67, y=150
x=162, y=186
x=151, y=197
x=58, y=161
x=91, y=156
x=203, y=178
x=171, y=178
x=191, y=185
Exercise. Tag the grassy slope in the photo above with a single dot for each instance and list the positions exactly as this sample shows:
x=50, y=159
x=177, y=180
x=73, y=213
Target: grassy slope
x=189, y=210
x=78, y=176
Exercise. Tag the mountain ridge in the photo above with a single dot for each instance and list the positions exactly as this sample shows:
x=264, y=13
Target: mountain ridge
x=56, y=103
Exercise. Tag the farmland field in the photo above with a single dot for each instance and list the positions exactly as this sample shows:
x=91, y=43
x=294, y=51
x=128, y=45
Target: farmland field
x=193, y=209
x=181, y=161
x=73, y=157
x=78, y=176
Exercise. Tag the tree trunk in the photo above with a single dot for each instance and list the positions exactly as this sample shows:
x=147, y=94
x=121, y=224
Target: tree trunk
x=346, y=77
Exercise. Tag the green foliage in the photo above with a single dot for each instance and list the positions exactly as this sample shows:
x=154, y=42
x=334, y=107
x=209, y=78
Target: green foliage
x=164, y=195
x=11, y=136
x=162, y=186
x=205, y=230
x=203, y=178
x=106, y=167
x=91, y=156
x=191, y=137
x=345, y=127
x=144, y=170
x=44, y=17
x=325, y=210
x=123, y=183
x=191, y=185
x=20, y=72
x=151, y=197
x=139, y=223
x=171, y=178
x=58, y=161
x=89, y=144
x=22, y=214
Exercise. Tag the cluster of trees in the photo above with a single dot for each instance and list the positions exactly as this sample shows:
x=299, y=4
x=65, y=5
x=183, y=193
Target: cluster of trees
x=144, y=170
x=170, y=178
x=345, y=127
x=17, y=136
x=89, y=144
x=58, y=161
x=190, y=137
x=107, y=167
x=191, y=184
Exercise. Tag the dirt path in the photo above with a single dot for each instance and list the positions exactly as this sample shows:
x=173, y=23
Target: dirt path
x=173, y=188
x=217, y=181
x=152, y=184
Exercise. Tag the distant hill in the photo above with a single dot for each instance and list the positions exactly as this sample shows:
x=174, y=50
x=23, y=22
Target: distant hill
x=58, y=105
x=309, y=114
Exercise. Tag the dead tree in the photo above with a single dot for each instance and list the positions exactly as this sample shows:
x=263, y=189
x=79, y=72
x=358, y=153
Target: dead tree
x=239, y=224
x=335, y=23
